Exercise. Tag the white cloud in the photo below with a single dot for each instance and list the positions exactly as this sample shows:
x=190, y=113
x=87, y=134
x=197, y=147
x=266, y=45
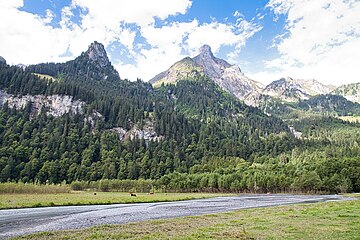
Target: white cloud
x=26, y=38
x=110, y=12
x=29, y=38
x=173, y=42
x=127, y=38
x=322, y=40
x=214, y=34
x=266, y=77
x=49, y=17
x=238, y=14
x=11, y=4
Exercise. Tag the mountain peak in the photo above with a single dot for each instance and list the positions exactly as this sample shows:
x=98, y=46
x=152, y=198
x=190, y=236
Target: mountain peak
x=205, y=51
x=228, y=77
x=96, y=53
x=2, y=60
x=293, y=89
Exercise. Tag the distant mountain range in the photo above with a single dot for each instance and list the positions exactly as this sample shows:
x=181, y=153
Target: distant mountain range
x=79, y=121
x=231, y=79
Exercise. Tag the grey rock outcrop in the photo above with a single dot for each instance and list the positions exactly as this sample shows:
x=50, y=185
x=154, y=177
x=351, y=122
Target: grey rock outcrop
x=56, y=105
x=97, y=54
x=147, y=132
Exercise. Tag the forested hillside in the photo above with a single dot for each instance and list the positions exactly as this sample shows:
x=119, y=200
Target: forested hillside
x=206, y=139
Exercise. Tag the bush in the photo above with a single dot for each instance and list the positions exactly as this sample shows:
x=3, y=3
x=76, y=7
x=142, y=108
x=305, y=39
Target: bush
x=12, y=187
x=115, y=185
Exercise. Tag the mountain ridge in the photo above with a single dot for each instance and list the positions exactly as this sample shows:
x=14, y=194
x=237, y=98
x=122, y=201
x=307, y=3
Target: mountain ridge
x=93, y=64
x=228, y=77
x=290, y=89
x=191, y=133
x=231, y=79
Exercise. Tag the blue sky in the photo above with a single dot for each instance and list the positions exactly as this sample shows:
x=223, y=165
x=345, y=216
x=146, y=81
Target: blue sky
x=268, y=39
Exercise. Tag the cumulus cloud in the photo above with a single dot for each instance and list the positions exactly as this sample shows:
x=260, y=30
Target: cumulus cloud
x=172, y=42
x=110, y=12
x=321, y=40
x=29, y=38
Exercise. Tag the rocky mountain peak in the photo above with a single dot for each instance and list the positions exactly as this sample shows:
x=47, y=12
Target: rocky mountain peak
x=292, y=89
x=228, y=77
x=2, y=60
x=96, y=53
x=205, y=52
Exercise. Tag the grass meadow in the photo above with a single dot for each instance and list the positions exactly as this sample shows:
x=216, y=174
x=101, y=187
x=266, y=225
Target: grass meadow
x=331, y=220
x=14, y=200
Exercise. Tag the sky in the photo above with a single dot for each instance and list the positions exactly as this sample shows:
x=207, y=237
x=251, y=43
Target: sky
x=308, y=39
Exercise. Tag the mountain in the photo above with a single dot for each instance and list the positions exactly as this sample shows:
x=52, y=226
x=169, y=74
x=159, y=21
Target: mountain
x=231, y=79
x=291, y=90
x=92, y=65
x=188, y=136
x=285, y=90
x=228, y=77
x=313, y=87
x=350, y=91
x=2, y=60
x=182, y=70
x=79, y=121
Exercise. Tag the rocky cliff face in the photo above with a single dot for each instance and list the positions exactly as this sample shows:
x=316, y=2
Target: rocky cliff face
x=97, y=63
x=147, y=132
x=97, y=54
x=228, y=77
x=55, y=105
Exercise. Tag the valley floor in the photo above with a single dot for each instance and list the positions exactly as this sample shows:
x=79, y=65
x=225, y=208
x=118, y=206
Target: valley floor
x=17, y=222
x=330, y=220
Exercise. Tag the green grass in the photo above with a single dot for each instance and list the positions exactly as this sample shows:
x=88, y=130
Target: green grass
x=332, y=220
x=350, y=118
x=46, y=77
x=8, y=201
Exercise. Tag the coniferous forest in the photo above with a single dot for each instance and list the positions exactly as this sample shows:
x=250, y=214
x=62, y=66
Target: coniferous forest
x=207, y=139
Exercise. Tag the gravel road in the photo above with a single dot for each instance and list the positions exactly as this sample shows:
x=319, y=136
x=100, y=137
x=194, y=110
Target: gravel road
x=17, y=222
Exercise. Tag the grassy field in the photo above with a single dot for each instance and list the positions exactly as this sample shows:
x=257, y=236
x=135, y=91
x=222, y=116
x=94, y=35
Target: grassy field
x=332, y=220
x=47, y=77
x=83, y=198
x=350, y=118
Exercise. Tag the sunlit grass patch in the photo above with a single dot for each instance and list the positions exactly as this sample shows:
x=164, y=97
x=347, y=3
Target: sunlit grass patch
x=88, y=198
